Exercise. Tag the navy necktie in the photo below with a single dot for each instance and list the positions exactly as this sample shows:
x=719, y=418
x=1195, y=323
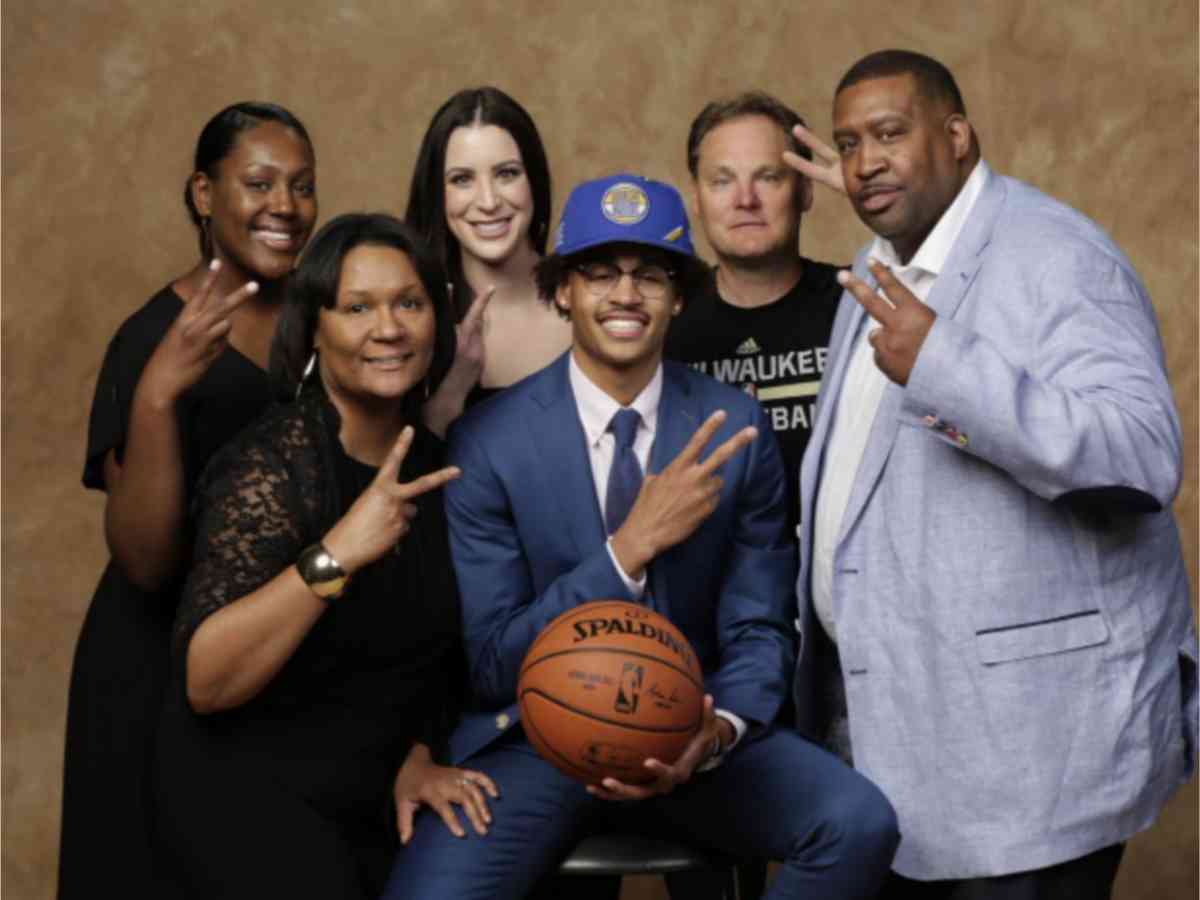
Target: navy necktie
x=625, y=476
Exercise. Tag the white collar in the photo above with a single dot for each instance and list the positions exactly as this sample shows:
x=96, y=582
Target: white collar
x=931, y=256
x=596, y=408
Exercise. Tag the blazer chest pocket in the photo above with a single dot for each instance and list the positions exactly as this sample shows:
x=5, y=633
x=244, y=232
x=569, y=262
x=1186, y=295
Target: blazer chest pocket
x=1041, y=638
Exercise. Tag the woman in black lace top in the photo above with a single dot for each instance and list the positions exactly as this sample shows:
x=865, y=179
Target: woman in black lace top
x=316, y=647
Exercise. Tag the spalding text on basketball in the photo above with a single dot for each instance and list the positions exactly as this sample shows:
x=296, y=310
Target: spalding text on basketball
x=590, y=628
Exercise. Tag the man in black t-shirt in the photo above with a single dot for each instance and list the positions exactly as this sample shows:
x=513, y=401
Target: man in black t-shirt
x=764, y=322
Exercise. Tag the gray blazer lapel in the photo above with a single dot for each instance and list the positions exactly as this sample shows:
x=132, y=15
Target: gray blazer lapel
x=879, y=447
x=883, y=429
x=840, y=347
x=966, y=257
x=846, y=324
x=962, y=265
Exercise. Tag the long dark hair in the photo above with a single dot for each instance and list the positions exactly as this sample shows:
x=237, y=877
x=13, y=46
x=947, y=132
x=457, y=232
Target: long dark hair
x=314, y=286
x=427, y=193
x=217, y=140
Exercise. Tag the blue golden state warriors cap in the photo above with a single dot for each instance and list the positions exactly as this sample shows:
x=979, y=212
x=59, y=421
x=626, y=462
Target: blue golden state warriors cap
x=624, y=208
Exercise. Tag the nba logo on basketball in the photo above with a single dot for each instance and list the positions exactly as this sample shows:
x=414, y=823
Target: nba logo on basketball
x=630, y=689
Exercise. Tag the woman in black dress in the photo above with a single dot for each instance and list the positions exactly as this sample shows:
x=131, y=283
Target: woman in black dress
x=317, y=650
x=181, y=376
x=480, y=197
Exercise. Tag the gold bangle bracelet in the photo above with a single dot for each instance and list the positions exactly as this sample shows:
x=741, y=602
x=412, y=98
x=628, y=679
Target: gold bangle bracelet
x=322, y=573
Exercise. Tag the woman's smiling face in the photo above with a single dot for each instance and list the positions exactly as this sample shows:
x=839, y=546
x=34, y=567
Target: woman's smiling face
x=377, y=341
x=488, y=199
x=262, y=202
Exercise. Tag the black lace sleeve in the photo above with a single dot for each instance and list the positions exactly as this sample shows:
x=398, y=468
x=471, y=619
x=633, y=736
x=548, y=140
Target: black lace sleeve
x=250, y=523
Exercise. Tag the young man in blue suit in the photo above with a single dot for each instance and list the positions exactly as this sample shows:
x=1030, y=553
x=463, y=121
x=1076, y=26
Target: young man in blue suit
x=986, y=505
x=549, y=514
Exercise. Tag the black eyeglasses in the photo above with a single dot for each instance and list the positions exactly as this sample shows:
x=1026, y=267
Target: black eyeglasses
x=651, y=282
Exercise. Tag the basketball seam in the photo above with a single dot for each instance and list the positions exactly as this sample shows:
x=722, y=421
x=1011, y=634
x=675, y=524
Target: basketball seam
x=592, y=606
x=623, y=651
x=545, y=745
x=653, y=729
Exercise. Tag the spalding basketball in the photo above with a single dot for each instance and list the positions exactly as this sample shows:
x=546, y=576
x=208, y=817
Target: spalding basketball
x=606, y=686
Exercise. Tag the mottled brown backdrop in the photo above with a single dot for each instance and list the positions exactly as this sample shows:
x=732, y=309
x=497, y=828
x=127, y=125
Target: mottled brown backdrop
x=1093, y=100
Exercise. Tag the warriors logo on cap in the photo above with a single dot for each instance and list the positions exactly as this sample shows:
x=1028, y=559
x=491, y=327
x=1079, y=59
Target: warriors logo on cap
x=623, y=208
x=625, y=204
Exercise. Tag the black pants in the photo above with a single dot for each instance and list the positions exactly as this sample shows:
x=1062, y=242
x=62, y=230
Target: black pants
x=238, y=820
x=1087, y=878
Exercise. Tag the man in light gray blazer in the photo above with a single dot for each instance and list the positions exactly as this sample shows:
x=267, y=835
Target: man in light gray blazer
x=987, y=532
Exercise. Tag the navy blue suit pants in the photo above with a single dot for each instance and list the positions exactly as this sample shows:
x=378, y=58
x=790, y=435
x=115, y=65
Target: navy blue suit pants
x=778, y=797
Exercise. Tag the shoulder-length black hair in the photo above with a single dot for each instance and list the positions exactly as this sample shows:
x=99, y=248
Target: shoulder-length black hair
x=217, y=140
x=314, y=285
x=427, y=193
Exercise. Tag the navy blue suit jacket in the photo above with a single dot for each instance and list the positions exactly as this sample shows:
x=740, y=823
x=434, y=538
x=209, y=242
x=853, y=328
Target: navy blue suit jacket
x=528, y=543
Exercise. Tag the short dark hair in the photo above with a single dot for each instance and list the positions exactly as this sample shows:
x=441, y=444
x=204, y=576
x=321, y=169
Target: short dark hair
x=217, y=140
x=749, y=103
x=314, y=284
x=934, y=80
x=427, y=193
x=689, y=272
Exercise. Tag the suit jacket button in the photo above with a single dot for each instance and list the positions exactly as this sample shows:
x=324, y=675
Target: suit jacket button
x=502, y=721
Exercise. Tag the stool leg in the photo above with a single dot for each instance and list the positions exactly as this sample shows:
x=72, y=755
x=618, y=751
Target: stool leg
x=733, y=884
x=705, y=884
x=749, y=878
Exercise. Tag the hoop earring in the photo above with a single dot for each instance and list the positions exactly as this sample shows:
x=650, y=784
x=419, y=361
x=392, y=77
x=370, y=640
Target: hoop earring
x=309, y=368
x=426, y=383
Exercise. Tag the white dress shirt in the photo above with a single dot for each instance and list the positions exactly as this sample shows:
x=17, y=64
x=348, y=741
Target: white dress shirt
x=596, y=409
x=862, y=391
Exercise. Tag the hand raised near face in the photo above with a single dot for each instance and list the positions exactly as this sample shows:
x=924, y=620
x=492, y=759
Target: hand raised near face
x=383, y=513
x=469, y=351
x=448, y=400
x=672, y=504
x=905, y=321
x=824, y=168
x=195, y=339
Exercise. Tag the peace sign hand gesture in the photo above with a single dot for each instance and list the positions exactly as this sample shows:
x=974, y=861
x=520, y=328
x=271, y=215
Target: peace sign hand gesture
x=195, y=339
x=905, y=320
x=672, y=504
x=447, y=401
x=825, y=167
x=469, y=335
x=383, y=513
